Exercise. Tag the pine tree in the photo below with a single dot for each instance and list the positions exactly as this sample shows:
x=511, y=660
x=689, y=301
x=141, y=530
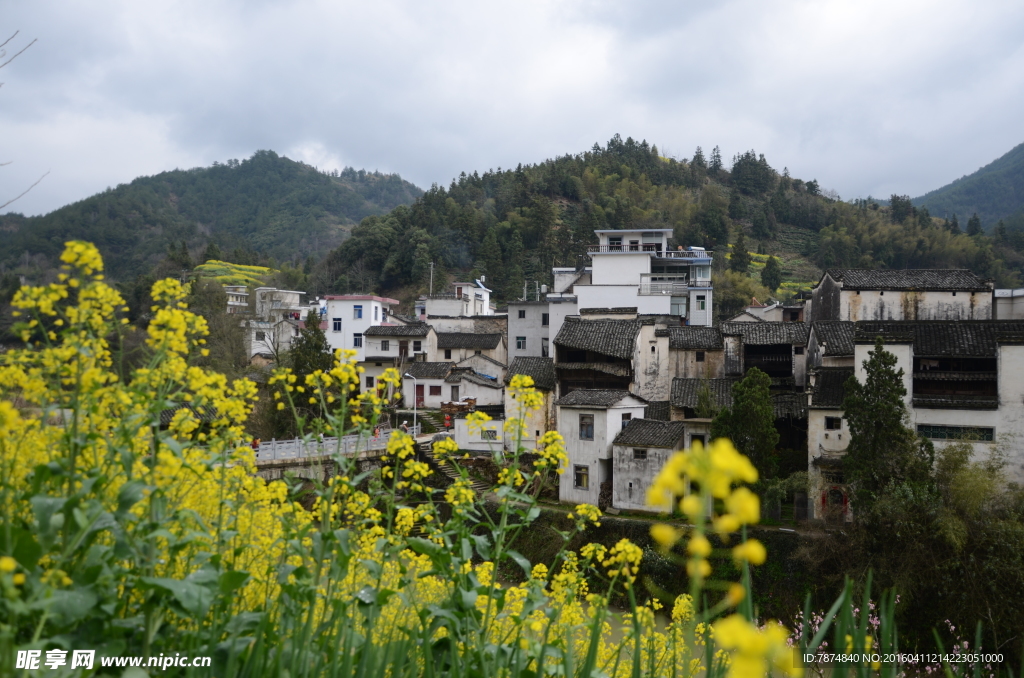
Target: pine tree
x=740, y=259
x=737, y=210
x=974, y=225
x=1001, y=231
x=311, y=351
x=698, y=168
x=212, y=253
x=771, y=274
x=513, y=270
x=954, y=226
x=750, y=422
x=882, y=449
x=762, y=229
x=489, y=258
x=716, y=161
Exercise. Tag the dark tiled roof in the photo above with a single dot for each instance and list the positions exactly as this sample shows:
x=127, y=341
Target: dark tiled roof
x=651, y=433
x=617, y=310
x=948, y=279
x=422, y=370
x=414, y=330
x=836, y=335
x=693, y=337
x=767, y=333
x=606, y=368
x=685, y=391
x=956, y=402
x=460, y=374
x=597, y=398
x=659, y=410
x=934, y=338
x=467, y=340
x=609, y=337
x=541, y=369
x=828, y=388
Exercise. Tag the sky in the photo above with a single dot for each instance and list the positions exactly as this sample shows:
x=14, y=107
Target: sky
x=869, y=97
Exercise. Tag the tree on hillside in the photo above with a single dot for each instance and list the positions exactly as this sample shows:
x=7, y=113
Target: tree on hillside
x=974, y=225
x=771, y=274
x=900, y=208
x=750, y=421
x=212, y=253
x=882, y=449
x=737, y=210
x=954, y=225
x=733, y=291
x=311, y=351
x=813, y=188
x=698, y=168
x=740, y=259
x=716, y=162
x=762, y=229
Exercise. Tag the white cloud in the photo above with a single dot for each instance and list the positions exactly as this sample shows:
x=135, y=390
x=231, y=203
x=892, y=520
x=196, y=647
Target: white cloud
x=867, y=96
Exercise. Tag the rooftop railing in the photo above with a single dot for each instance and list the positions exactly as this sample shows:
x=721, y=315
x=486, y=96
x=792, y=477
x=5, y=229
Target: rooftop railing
x=649, y=248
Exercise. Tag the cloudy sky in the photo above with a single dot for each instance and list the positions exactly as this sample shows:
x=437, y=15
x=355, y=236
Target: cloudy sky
x=868, y=96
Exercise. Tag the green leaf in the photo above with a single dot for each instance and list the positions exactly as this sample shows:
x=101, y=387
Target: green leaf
x=192, y=597
x=69, y=606
x=23, y=547
x=232, y=580
x=483, y=545
x=521, y=561
x=130, y=494
x=366, y=595
x=424, y=546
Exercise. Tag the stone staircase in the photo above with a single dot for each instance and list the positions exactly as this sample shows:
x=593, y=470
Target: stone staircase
x=426, y=449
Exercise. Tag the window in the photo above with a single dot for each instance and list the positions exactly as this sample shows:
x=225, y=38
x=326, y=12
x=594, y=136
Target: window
x=261, y=336
x=626, y=419
x=522, y=313
x=385, y=344
x=447, y=354
x=477, y=352
x=581, y=477
x=798, y=350
x=700, y=356
x=417, y=346
x=336, y=324
x=833, y=423
x=435, y=390
x=357, y=340
x=489, y=434
x=369, y=382
x=544, y=351
x=521, y=343
x=701, y=302
x=455, y=394
x=545, y=319
x=639, y=454
x=376, y=310
x=357, y=311
x=586, y=427
x=652, y=349
x=935, y=432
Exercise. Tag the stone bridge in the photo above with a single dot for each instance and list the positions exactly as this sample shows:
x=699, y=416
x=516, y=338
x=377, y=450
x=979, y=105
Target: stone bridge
x=315, y=458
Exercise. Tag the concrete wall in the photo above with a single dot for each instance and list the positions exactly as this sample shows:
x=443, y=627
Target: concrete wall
x=530, y=327
x=683, y=363
x=632, y=477
x=459, y=354
x=653, y=374
x=697, y=316
x=559, y=309
x=535, y=422
x=475, y=440
x=482, y=366
x=619, y=268
x=619, y=296
x=590, y=453
x=430, y=402
x=912, y=305
x=373, y=346
x=1009, y=304
x=484, y=395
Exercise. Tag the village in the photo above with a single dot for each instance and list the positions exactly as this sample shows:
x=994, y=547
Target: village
x=623, y=348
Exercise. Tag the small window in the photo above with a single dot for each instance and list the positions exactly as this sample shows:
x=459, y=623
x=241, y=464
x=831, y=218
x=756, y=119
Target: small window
x=417, y=346
x=545, y=319
x=521, y=343
x=336, y=324
x=581, y=477
x=435, y=390
x=798, y=350
x=261, y=336
x=385, y=344
x=701, y=302
x=639, y=454
x=544, y=347
x=489, y=434
x=626, y=418
x=522, y=313
x=937, y=432
x=700, y=356
x=447, y=354
x=477, y=352
x=357, y=340
x=586, y=427
x=376, y=312
x=369, y=382
x=357, y=312
x=833, y=423
x=653, y=349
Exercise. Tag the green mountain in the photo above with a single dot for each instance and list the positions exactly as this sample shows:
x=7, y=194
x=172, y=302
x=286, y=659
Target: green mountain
x=267, y=204
x=994, y=192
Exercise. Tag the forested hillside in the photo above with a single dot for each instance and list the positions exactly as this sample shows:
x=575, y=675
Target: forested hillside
x=994, y=192
x=514, y=225
x=266, y=204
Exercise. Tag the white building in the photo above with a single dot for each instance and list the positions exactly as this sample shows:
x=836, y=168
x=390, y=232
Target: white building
x=457, y=346
x=1009, y=304
x=465, y=299
x=238, y=298
x=917, y=294
x=349, y=316
x=589, y=420
x=637, y=269
x=828, y=434
x=423, y=384
x=639, y=452
x=535, y=422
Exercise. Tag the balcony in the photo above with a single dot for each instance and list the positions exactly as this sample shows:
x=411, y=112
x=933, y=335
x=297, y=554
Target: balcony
x=668, y=285
x=650, y=248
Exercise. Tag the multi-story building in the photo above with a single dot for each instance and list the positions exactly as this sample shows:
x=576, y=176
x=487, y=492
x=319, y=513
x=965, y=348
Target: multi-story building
x=349, y=316
x=238, y=298
x=465, y=299
x=639, y=452
x=917, y=294
x=636, y=268
x=529, y=329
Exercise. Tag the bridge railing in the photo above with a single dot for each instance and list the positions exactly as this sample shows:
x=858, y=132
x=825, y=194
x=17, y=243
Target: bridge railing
x=297, y=448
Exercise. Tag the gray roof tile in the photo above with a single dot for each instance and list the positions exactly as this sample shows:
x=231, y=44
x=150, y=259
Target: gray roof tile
x=541, y=369
x=595, y=398
x=693, y=337
x=659, y=410
x=934, y=338
x=685, y=394
x=767, y=333
x=652, y=433
x=424, y=370
x=609, y=337
x=467, y=340
x=829, y=388
x=460, y=374
x=414, y=330
x=947, y=279
x=836, y=335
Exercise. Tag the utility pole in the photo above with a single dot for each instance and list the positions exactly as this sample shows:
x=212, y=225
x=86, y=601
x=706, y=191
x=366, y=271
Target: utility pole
x=431, y=278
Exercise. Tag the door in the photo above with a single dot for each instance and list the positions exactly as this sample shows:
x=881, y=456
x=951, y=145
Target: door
x=419, y=395
x=403, y=349
x=455, y=394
